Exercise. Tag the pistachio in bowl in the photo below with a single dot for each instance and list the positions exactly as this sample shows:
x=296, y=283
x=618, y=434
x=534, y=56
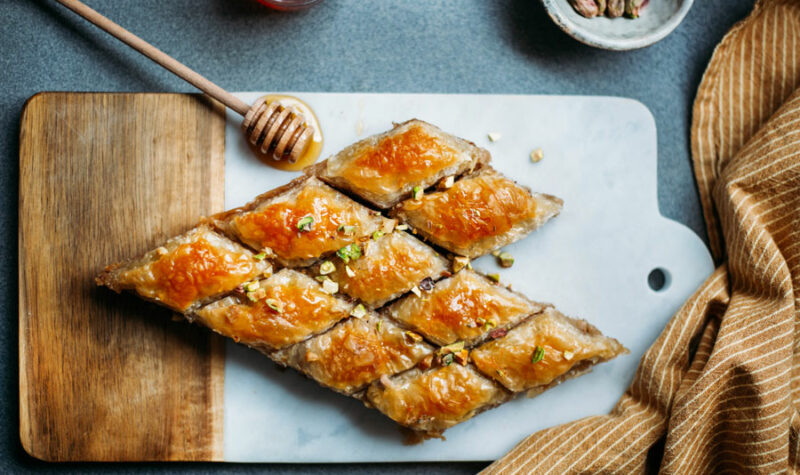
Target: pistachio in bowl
x=605, y=23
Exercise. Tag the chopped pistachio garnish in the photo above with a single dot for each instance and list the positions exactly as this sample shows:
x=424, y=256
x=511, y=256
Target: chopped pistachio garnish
x=480, y=321
x=452, y=348
x=501, y=373
x=330, y=287
x=496, y=252
x=350, y=273
x=505, y=259
x=416, y=291
x=494, y=136
x=274, y=305
x=447, y=359
x=415, y=337
x=379, y=325
x=568, y=355
x=537, y=155
x=459, y=263
x=346, y=229
x=377, y=235
x=494, y=278
x=538, y=355
x=426, y=284
x=355, y=251
x=257, y=294
x=417, y=192
x=351, y=251
x=469, y=265
x=326, y=268
x=305, y=224
x=462, y=356
x=358, y=311
x=260, y=256
x=489, y=325
x=322, y=278
x=401, y=227
x=252, y=286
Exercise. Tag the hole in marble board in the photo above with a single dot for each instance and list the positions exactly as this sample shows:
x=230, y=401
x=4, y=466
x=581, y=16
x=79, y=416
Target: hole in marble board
x=659, y=279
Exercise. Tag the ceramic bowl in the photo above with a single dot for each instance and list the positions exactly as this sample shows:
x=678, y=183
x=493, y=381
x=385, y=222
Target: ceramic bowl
x=656, y=21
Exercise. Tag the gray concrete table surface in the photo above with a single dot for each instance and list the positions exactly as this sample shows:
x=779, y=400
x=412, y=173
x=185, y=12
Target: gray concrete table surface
x=455, y=46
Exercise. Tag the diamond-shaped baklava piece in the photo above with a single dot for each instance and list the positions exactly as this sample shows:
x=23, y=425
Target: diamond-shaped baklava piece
x=466, y=307
x=187, y=271
x=543, y=351
x=355, y=353
x=276, y=312
x=301, y=221
x=479, y=213
x=386, y=168
x=390, y=266
x=433, y=400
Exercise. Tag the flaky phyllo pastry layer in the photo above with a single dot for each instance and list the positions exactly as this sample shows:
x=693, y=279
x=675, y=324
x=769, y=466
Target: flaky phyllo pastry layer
x=361, y=303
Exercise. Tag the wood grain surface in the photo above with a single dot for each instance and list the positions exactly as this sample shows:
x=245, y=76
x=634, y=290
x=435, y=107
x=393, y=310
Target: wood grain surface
x=105, y=376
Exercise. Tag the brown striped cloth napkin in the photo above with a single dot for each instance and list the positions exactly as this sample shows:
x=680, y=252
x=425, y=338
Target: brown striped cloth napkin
x=719, y=390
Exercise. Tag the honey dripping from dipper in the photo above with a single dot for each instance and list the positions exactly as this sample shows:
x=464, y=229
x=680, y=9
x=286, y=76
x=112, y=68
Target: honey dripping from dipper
x=283, y=132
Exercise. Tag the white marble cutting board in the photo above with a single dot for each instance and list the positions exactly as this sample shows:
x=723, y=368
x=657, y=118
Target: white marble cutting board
x=592, y=262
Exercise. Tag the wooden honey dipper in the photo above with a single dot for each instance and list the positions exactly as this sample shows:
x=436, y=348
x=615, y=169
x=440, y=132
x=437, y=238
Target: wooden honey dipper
x=273, y=128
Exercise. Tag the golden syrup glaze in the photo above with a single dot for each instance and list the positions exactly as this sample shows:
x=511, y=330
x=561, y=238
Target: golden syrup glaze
x=509, y=360
x=275, y=225
x=303, y=309
x=359, y=351
x=390, y=266
x=460, y=307
x=191, y=272
x=399, y=160
x=435, y=399
x=314, y=148
x=472, y=209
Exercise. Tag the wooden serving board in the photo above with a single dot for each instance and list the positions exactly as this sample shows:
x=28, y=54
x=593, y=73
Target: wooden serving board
x=104, y=177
